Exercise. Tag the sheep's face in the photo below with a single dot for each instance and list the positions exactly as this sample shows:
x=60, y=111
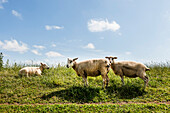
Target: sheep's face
x=70, y=62
x=111, y=59
x=44, y=66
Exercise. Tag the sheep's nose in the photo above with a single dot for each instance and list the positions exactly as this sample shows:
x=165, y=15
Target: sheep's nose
x=108, y=66
x=48, y=68
x=67, y=66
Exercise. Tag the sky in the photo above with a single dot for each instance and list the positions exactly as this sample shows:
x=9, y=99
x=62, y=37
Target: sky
x=51, y=31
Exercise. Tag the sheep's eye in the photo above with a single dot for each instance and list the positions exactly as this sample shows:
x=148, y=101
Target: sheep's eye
x=71, y=61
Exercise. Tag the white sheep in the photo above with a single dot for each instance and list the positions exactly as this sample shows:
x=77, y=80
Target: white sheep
x=27, y=71
x=91, y=68
x=129, y=69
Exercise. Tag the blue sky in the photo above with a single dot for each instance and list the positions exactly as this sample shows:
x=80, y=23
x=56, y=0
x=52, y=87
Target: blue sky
x=52, y=30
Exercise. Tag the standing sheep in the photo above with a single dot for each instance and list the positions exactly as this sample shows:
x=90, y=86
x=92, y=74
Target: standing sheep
x=27, y=71
x=129, y=69
x=91, y=68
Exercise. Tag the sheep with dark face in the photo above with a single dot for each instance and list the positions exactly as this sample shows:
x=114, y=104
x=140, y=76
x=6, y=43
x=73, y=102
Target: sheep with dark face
x=91, y=68
x=129, y=69
x=27, y=71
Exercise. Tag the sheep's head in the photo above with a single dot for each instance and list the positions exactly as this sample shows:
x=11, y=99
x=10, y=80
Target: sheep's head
x=111, y=59
x=44, y=66
x=70, y=62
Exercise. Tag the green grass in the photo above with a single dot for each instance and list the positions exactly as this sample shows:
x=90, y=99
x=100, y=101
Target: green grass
x=62, y=85
x=109, y=108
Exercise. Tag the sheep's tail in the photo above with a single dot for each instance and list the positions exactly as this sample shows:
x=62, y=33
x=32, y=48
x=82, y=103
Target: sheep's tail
x=147, y=69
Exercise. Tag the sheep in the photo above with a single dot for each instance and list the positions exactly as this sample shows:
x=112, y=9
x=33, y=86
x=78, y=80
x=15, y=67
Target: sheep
x=129, y=69
x=93, y=68
x=27, y=71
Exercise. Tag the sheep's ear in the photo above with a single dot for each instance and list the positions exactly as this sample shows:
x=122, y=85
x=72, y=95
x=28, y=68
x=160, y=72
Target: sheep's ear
x=41, y=63
x=114, y=57
x=75, y=59
x=107, y=57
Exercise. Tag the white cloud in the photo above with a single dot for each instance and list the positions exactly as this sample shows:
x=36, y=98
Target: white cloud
x=90, y=46
x=13, y=45
x=38, y=47
x=2, y=2
x=128, y=53
x=53, y=54
x=36, y=52
x=47, y=27
x=53, y=45
x=15, y=13
x=102, y=25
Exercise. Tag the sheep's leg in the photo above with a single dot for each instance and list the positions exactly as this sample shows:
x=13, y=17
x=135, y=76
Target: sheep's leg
x=107, y=80
x=104, y=81
x=122, y=79
x=27, y=74
x=85, y=79
x=145, y=79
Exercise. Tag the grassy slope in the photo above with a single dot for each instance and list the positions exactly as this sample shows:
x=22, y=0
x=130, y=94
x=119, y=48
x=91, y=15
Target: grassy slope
x=62, y=85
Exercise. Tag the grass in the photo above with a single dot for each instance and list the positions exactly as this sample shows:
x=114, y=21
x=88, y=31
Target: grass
x=60, y=108
x=62, y=85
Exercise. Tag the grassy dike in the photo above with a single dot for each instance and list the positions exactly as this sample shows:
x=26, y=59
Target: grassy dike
x=62, y=85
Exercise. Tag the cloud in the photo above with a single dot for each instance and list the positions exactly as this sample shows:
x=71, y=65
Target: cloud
x=90, y=46
x=36, y=52
x=53, y=45
x=102, y=25
x=53, y=54
x=15, y=13
x=2, y=2
x=13, y=45
x=47, y=27
x=38, y=47
x=128, y=53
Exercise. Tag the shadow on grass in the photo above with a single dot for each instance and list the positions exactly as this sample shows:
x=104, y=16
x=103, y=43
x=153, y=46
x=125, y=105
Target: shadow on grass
x=75, y=94
x=87, y=94
x=128, y=91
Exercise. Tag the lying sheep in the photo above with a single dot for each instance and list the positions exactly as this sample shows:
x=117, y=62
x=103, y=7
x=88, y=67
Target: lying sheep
x=91, y=68
x=27, y=71
x=129, y=69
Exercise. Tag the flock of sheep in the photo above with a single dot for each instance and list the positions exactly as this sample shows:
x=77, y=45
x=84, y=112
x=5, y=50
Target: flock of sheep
x=96, y=67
